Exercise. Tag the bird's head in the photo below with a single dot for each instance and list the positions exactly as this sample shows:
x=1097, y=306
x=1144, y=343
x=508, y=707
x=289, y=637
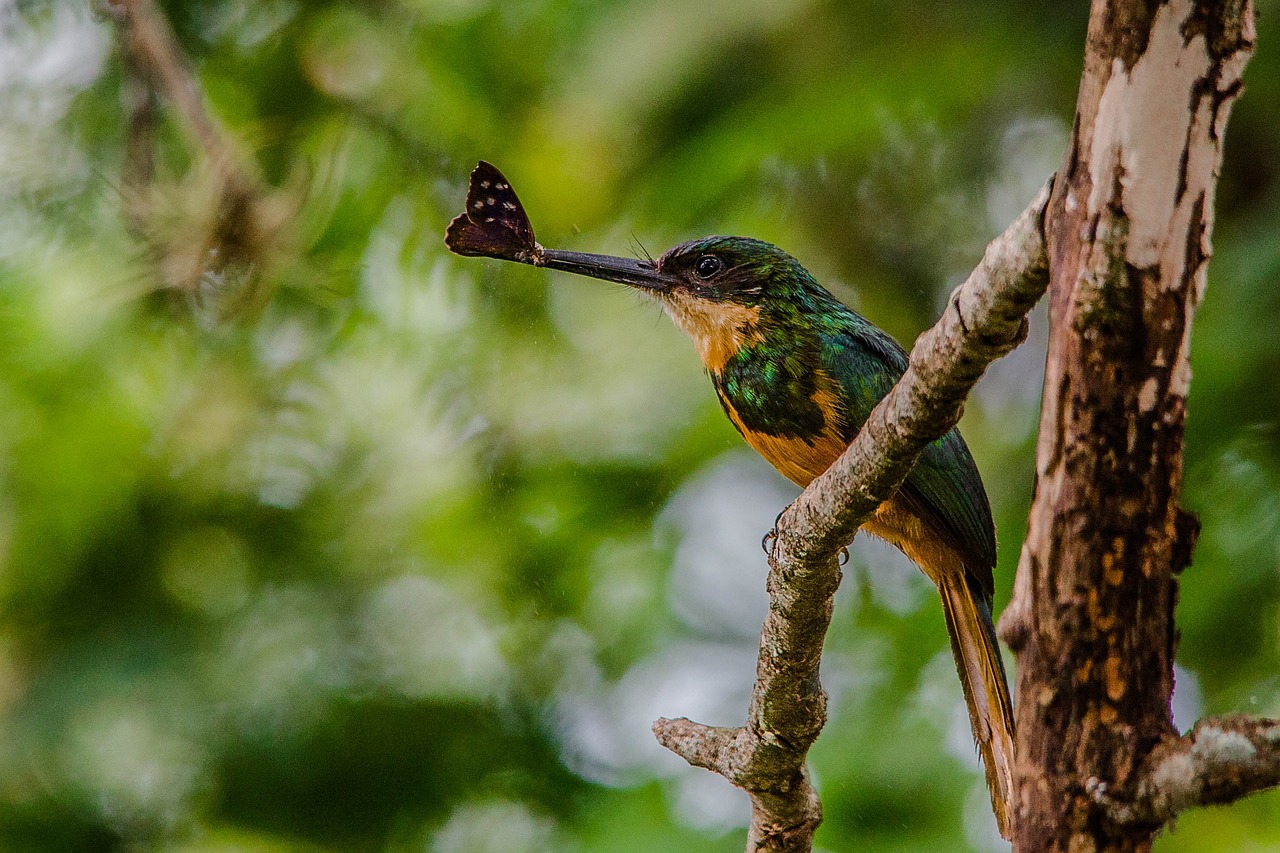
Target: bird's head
x=719, y=290
x=722, y=291
x=729, y=271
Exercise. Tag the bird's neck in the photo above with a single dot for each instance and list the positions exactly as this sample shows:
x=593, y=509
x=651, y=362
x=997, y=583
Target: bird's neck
x=718, y=329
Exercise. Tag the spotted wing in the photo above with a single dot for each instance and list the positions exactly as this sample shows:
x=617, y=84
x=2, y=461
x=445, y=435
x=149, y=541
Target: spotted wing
x=494, y=225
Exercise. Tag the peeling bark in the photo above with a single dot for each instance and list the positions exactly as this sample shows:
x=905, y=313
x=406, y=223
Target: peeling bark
x=1219, y=761
x=1128, y=238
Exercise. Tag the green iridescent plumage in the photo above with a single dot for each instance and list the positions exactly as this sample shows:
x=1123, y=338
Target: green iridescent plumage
x=804, y=333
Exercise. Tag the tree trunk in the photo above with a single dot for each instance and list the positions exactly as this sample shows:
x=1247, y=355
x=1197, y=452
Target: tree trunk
x=1127, y=232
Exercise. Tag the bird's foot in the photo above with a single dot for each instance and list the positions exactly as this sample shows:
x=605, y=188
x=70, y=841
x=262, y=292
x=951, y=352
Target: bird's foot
x=766, y=544
x=771, y=537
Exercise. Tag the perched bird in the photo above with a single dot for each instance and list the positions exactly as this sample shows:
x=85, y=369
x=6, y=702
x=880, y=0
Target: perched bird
x=798, y=373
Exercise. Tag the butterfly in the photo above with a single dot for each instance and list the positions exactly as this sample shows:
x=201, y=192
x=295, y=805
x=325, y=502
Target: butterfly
x=494, y=224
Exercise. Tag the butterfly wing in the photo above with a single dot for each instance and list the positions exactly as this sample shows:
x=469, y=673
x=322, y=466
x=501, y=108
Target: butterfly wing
x=494, y=225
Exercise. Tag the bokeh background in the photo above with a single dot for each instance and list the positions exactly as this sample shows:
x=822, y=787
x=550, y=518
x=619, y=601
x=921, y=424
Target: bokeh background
x=359, y=546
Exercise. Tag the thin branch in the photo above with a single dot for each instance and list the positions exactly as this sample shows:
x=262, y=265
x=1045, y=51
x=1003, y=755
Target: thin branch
x=237, y=226
x=985, y=319
x=153, y=49
x=1219, y=761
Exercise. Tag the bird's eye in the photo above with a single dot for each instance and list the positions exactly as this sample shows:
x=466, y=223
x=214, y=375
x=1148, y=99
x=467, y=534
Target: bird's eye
x=707, y=266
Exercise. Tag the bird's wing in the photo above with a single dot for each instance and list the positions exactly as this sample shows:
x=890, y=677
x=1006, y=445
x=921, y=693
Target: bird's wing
x=944, y=487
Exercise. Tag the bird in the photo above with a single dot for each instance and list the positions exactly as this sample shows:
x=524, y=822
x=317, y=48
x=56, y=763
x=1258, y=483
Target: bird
x=797, y=373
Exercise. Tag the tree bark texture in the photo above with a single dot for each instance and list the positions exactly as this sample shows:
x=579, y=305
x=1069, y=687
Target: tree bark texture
x=1128, y=232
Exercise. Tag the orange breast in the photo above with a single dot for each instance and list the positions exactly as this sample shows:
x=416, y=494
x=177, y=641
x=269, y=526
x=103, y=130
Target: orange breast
x=801, y=461
x=798, y=459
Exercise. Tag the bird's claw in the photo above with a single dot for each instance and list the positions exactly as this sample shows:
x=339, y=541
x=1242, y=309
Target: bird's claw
x=772, y=536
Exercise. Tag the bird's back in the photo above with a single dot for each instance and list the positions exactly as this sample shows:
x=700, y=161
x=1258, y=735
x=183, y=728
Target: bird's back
x=944, y=487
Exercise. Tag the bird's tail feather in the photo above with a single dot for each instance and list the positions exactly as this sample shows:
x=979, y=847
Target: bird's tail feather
x=986, y=691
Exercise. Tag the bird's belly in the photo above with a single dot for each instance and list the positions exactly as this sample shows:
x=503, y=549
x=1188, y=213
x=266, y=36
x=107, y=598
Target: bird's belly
x=799, y=460
x=902, y=528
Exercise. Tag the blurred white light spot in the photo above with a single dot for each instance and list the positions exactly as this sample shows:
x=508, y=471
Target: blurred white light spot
x=1030, y=151
x=940, y=701
x=720, y=515
x=705, y=801
x=1188, y=698
x=140, y=774
x=406, y=283
x=498, y=826
x=295, y=450
x=980, y=828
x=564, y=663
x=284, y=344
x=896, y=583
x=1009, y=392
x=422, y=639
x=607, y=734
x=284, y=657
x=409, y=435
x=249, y=23
x=45, y=60
x=624, y=388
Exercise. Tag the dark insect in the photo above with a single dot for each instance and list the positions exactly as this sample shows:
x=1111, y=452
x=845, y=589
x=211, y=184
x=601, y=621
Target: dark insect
x=494, y=225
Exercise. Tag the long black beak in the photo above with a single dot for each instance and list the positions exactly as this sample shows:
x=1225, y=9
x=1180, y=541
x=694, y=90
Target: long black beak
x=494, y=225
x=630, y=271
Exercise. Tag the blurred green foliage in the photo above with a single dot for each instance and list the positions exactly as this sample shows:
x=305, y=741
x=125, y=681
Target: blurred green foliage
x=410, y=558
